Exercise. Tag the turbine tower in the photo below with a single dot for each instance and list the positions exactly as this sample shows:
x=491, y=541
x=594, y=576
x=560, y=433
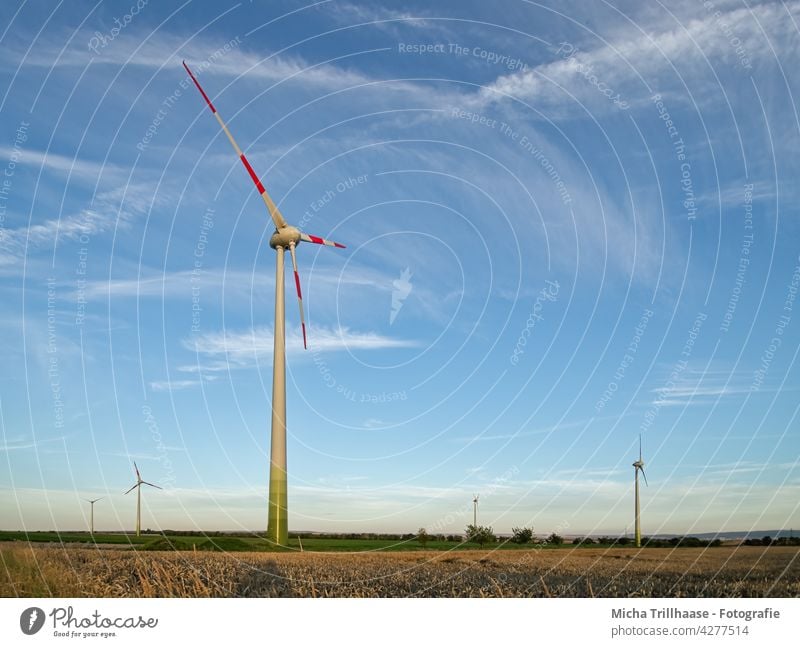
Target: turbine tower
x=285, y=237
x=637, y=467
x=475, y=510
x=91, y=514
x=138, y=487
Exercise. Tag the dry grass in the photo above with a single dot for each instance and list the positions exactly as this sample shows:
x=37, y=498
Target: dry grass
x=685, y=572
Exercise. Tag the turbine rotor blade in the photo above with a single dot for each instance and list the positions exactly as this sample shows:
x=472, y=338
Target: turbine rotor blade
x=152, y=485
x=274, y=213
x=138, y=476
x=645, y=477
x=319, y=241
x=299, y=293
x=133, y=488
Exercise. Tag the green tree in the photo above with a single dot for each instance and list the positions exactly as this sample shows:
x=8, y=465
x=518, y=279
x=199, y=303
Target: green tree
x=522, y=535
x=480, y=535
x=423, y=537
x=555, y=539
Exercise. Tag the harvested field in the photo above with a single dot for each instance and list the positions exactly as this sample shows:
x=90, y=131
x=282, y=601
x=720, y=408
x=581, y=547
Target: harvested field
x=28, y=571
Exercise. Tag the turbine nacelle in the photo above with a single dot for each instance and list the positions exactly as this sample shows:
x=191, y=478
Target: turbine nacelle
x=285, y=237
x=637, y=466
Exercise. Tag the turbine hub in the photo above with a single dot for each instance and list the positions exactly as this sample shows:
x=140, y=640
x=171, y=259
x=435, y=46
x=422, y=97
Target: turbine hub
x=284, y=236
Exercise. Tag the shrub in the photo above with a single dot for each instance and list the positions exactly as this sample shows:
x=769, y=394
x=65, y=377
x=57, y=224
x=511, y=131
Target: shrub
x=480, y=534
x=522, y=535
x=423, y=537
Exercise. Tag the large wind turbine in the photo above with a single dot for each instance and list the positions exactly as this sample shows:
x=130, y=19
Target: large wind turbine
x=91, y=514
x=637, y=467
x=475, y=510
x=285, y=237
x=138, y=487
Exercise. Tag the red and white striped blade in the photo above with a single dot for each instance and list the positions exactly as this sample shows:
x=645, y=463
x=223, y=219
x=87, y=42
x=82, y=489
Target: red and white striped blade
x=299, y=294
x=319, y=241
x=274, y=213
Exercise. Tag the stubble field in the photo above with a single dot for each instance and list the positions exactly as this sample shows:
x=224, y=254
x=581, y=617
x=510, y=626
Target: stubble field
x=34, y=571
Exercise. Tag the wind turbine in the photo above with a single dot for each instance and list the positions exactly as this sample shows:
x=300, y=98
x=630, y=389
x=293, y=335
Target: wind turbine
x=285, y=237
x=91, y=515
x=138, y=487
x=475, y=509
x=637, y=467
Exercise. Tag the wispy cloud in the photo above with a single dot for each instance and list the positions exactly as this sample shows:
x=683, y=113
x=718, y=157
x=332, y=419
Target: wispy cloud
x=177, y=284
x=695, y=385
x=685, y=392
x=77, y=169
x=226, y=350
x=29, y=443
x=114, y=207
x=726, y=470
x=383, y=18
x=373, y=423
x=697, y=388
x=167, y=51
x=161, y=386
x=634, y=56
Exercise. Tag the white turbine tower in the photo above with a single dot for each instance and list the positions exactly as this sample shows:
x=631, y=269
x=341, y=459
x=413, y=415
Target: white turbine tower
x=638, y=466
x=475, y=509
x=138, y=487
x=285, y=237
x=91, y=514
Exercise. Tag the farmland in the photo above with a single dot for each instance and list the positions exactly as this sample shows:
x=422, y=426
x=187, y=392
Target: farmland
x=28, y=570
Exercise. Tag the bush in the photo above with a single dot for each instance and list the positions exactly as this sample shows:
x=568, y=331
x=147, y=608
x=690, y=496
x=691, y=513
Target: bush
x=423, y=537
x=522, y=535
x=555, y=539
x=480, y=535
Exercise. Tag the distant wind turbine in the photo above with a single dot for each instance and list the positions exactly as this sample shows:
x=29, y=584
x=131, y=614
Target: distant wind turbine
x=475, y=510
x=138, y=487
x=637, y=467
x=91, y=514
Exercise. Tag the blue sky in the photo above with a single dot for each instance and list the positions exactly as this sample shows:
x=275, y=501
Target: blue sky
x=566, y=225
